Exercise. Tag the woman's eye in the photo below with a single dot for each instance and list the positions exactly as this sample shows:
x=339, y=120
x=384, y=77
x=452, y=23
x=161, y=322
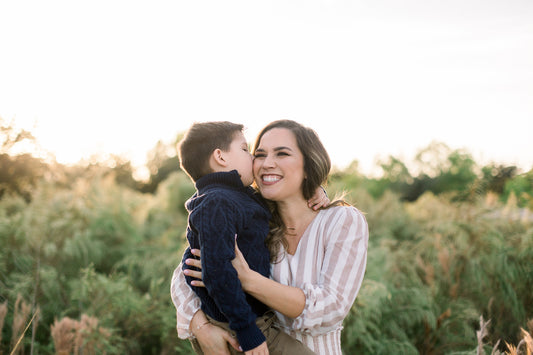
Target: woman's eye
x=259, y=156
x=282, y=153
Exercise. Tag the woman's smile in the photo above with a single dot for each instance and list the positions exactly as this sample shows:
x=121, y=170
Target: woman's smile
x=270, y=179
x=278, y=165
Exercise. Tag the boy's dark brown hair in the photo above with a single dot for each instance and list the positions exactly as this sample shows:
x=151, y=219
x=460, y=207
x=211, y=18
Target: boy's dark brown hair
x=200, y=141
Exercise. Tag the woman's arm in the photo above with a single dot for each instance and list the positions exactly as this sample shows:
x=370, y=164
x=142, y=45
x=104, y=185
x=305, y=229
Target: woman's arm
x=292, y=297
x=191, y=320
x=287, y=300
x=186, y=302
x=316, y=305
x=319, y=306
x=329, y=300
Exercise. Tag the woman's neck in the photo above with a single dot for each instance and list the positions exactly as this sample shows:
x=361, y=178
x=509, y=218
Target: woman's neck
x=296, y=215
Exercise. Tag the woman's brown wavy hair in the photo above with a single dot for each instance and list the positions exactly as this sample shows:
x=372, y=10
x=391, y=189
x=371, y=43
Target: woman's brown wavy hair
x=317, y=166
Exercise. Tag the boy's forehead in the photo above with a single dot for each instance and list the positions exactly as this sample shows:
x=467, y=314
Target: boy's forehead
x=239, y=136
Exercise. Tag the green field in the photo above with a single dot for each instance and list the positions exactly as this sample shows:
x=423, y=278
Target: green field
x=87, y=254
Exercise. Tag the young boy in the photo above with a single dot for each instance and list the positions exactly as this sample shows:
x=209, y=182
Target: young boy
x=215, y=155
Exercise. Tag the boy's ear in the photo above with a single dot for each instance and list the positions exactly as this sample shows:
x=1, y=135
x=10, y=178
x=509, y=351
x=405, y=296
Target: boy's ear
x=218, y=157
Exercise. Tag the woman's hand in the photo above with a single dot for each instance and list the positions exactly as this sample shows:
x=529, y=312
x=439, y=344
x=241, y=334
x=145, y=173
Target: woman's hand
x=239, y=263
x=212, y=339
x=320, y=199
x=241, y=266
x=196, y=274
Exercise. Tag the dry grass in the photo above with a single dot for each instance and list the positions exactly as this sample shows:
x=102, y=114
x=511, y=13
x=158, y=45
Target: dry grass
x=481, y=334
x=524, y=347
x=63, y=334
x=83, y=337
x=3, y=312
x=21, y=315
x=21, y=324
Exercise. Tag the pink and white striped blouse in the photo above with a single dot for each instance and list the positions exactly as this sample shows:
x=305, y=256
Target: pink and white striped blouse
x=328, y=265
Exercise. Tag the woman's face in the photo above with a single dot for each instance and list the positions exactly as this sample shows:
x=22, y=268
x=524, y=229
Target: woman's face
x=279, y=165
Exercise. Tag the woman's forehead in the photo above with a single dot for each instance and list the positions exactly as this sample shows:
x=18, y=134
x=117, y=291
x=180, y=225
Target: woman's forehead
x=277, y=137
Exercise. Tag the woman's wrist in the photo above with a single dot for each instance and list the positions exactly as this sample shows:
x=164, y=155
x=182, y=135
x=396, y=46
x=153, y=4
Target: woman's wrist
x=198, y=321
x=249, y=280
x=202, y=330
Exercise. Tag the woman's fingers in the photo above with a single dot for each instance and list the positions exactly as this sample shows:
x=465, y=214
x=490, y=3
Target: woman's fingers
x=196, y=252
x=232, y=341
x=241, y=266
x=193, y=273
x=194, y=262
x=196, y=275
x=198, y=283
x=239, y=258
x=214, y=340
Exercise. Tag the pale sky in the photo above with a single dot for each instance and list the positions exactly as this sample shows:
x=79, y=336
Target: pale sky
x=373, y=78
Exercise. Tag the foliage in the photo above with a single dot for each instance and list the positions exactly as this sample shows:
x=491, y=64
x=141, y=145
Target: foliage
x=521, y=186
x=88, y=252
x=434, y=266
x=21, y=172
x=95, y=248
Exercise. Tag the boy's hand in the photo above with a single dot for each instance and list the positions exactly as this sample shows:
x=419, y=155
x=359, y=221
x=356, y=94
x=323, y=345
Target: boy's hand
x=320, y=199
x=260, y=350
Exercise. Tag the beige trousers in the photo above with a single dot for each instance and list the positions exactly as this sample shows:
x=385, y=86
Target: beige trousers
x=278, y=341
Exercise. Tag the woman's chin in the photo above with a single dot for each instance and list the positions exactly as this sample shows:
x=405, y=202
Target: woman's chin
x=267, y=193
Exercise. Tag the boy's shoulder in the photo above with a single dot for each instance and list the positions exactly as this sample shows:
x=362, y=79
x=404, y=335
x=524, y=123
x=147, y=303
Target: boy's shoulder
x=218, y=197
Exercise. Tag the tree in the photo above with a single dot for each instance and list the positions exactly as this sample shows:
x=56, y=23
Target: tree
x=162, y=161
x=494, y=177
x=20, y=172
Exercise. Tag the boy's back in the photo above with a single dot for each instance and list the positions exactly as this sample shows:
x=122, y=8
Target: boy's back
x=220, y=209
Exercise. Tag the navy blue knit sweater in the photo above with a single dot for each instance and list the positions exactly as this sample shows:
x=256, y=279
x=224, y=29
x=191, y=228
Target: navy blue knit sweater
x=221, y=208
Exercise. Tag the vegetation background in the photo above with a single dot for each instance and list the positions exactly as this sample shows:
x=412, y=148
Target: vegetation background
x=87, y=253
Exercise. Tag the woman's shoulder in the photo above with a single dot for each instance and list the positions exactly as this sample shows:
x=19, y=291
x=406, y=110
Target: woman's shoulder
x=338, y=211
x=344, y=221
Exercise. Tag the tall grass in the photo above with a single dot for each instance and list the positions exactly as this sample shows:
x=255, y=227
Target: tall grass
x=434, y=267
x=97, y=256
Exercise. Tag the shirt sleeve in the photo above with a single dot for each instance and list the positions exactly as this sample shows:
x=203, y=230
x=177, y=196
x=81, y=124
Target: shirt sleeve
x=329, y=301
x=187, y=303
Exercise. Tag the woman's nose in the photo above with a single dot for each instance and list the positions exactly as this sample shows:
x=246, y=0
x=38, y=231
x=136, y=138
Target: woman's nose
x=268, y=162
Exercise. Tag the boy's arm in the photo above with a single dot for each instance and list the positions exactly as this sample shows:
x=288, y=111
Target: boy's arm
x=216, y=223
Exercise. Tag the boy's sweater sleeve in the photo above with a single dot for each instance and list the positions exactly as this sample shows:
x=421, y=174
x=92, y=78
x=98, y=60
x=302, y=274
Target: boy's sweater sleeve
x=217, y=232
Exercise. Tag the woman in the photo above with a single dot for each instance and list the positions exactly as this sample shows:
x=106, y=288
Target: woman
x=319, y=257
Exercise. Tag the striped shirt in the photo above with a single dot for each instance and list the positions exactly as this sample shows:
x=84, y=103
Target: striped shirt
x=328, y=265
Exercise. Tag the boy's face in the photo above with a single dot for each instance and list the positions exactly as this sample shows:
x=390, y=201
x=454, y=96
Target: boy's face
x=240, y=159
